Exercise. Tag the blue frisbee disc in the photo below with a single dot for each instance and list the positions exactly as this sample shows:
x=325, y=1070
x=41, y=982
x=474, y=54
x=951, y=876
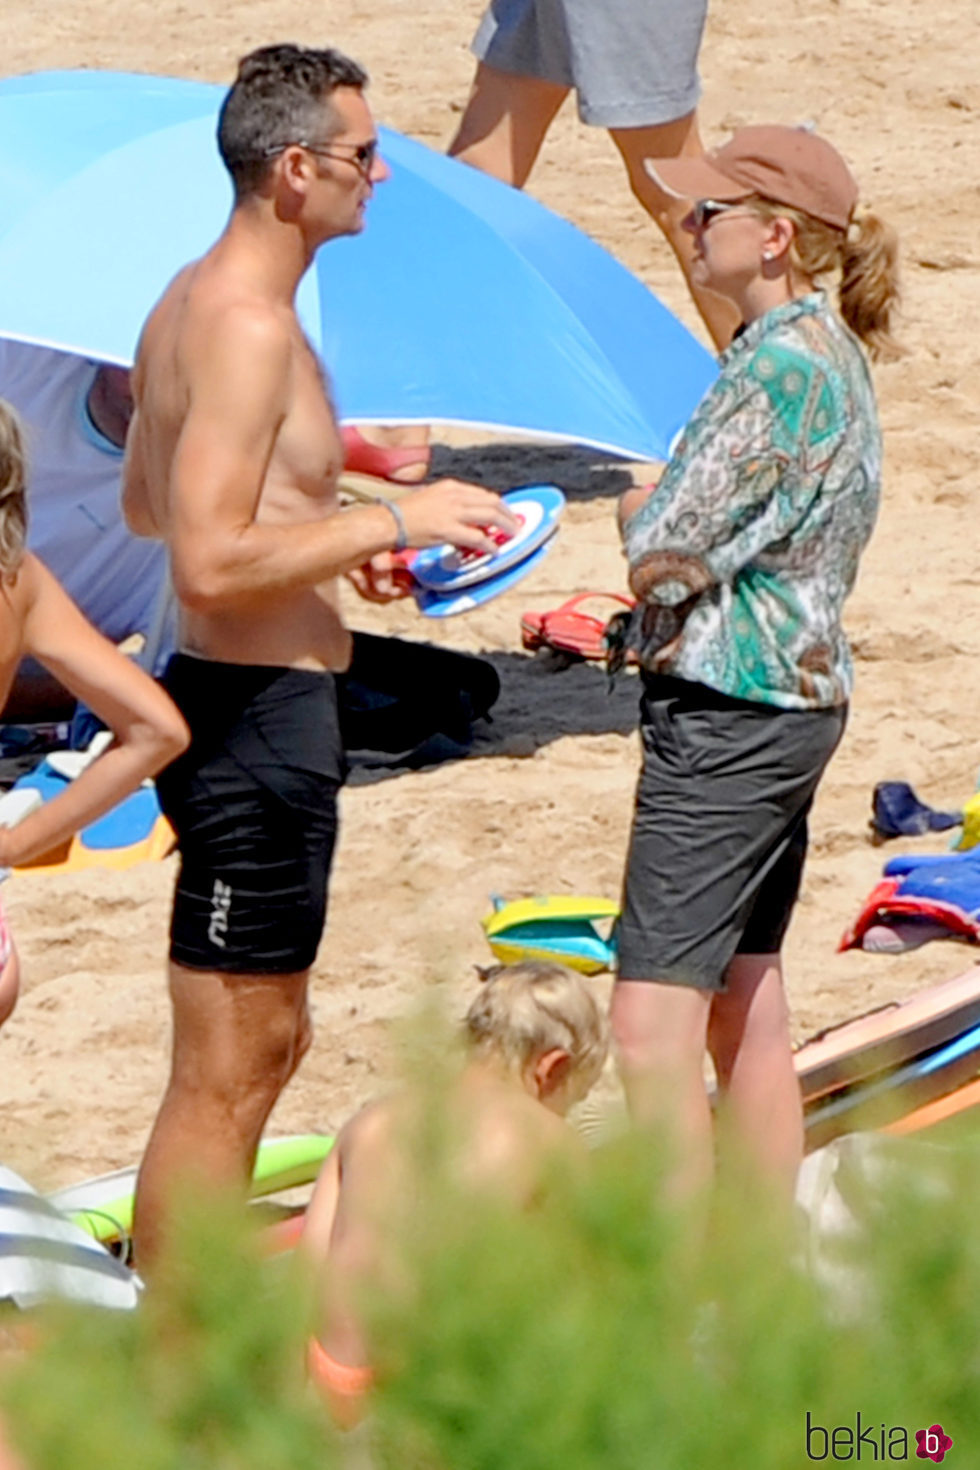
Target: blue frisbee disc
x=446, y=569
x=465, y=599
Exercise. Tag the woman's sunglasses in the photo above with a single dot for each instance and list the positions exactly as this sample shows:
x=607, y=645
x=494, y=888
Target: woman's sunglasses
x=703, y=211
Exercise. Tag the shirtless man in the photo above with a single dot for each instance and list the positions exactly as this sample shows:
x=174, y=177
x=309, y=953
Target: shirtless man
x=232, y=460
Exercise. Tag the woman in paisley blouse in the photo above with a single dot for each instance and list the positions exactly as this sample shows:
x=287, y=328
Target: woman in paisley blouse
x=741, y=557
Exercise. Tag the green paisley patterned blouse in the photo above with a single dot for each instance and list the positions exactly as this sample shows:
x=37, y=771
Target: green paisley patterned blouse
x=744, y=553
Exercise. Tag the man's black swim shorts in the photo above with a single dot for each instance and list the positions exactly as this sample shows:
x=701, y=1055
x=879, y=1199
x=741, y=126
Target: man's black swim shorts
x=254, y=805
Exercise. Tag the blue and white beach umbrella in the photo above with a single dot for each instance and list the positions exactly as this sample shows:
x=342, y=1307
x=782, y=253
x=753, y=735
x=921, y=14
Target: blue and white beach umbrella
x=464, y=301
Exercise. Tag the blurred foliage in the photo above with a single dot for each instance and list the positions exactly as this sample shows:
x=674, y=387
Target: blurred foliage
x=206, y=1375
x=595, y=1332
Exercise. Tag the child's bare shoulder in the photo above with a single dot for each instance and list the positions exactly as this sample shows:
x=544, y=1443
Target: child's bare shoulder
x=18, y=593
x=32, y=586
x=374, y=1127
x=23, y=586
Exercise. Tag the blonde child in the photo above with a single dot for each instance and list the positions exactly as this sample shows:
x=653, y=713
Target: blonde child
x=38, y=618
x=535, y=1042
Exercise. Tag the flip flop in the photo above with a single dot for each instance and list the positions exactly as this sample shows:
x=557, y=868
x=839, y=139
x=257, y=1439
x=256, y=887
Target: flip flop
x=570, y=631
x=384, y=461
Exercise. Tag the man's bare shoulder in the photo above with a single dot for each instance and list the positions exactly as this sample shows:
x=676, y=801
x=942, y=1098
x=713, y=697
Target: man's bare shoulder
x=241, y=334
x=205, y=315
x=258, y=325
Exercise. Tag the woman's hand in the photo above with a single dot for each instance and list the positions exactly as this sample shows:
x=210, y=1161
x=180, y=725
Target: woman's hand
x=631, y=500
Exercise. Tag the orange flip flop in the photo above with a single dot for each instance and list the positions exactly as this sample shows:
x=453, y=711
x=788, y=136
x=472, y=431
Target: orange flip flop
x=365, y=458
x=569, y=630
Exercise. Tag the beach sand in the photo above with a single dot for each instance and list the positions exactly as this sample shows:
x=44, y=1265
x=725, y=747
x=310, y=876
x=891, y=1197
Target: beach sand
x=545, y=803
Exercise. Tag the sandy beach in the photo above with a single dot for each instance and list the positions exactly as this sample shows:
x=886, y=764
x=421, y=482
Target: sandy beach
x=544, y=802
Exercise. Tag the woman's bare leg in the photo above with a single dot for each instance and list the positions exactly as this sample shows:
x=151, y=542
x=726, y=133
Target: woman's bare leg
x=659, y=1032
x=749, y=1040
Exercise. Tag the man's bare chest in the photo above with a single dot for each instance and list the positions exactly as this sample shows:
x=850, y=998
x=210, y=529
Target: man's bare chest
x=307, y=455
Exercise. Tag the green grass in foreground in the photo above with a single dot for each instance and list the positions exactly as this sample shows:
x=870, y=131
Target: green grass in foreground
x=590, y=1335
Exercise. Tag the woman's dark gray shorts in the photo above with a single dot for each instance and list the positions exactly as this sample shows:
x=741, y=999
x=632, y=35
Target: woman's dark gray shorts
x=719, y=831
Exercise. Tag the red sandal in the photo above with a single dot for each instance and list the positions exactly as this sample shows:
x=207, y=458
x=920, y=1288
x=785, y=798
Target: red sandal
x=571, y=631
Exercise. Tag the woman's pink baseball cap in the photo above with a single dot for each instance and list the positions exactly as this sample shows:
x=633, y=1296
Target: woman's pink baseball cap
x=787, y=165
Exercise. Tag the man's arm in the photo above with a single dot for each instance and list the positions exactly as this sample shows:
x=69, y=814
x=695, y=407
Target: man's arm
x=239, y=397
x=135, y=497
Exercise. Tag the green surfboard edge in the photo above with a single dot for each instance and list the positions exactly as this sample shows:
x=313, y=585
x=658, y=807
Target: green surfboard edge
x=281, y=1163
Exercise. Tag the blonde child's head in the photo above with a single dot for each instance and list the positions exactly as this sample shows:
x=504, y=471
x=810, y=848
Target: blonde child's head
x=536, y=1011
x=13, y=496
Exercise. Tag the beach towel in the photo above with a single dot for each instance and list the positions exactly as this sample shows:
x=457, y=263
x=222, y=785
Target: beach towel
x=44, y=1257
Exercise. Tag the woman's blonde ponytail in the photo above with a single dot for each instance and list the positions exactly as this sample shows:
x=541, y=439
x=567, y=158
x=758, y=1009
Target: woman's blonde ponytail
x=869, y=282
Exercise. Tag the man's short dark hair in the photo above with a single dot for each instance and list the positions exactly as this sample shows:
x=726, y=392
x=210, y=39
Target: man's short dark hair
x=277, y=98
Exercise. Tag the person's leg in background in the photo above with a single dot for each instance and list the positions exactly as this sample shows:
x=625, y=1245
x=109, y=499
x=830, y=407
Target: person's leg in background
x=680, y=138
x=501, y=132
x=505, y=122
x=523, y=76
x=635, y=64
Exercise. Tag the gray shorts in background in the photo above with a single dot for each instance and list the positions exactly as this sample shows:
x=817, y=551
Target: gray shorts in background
x=633, y=63
x=719, y=831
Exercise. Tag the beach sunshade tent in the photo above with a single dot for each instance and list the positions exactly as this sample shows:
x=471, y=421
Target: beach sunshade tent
x=44, y=1256
x=464, y=301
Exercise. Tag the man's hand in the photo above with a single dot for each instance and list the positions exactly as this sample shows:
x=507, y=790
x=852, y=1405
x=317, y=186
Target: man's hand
x=455, y=512
x=382, y=579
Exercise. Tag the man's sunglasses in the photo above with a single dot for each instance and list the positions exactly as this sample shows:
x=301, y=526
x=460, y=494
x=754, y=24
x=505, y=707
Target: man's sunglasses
x=362, y=156
x=703, y=211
